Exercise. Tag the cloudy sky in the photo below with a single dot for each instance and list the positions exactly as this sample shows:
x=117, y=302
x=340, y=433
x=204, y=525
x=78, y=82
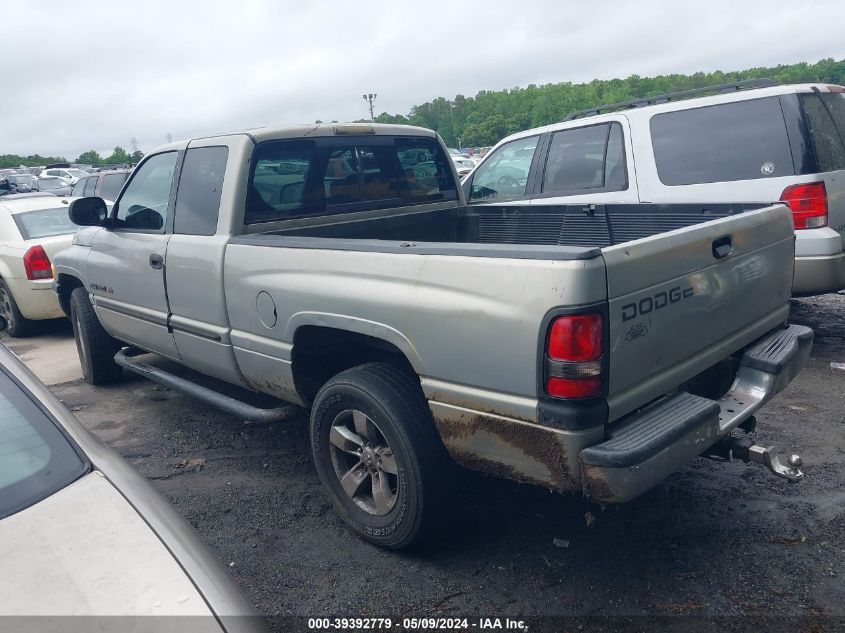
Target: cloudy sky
x=92, y=75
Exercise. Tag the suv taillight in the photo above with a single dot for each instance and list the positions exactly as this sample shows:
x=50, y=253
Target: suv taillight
x=37, y=264
x=573, y=356
x=808, y=203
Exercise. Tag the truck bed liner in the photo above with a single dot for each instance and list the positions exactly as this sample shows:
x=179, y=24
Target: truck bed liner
x=577, y=227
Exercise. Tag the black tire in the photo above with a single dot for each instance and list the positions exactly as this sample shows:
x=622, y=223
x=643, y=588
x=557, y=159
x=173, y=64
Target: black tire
x=17, y=324
x=393, y=401
x=96, y=348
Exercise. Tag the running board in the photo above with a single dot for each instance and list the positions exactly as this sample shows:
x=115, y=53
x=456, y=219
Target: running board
x=245, y=411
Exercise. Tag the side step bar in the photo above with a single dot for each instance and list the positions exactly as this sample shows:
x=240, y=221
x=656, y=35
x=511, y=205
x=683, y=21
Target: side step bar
x=245, y=411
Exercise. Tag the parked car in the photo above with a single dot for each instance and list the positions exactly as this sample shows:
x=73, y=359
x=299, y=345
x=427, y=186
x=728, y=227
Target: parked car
x=463, y=165
x=457, y=152
x=33, y=228
x=53, y=184
x=85, y=535
x=105, y=184
x=519, y=341
x=70, y=174
x=753, y=141
x=22, y=183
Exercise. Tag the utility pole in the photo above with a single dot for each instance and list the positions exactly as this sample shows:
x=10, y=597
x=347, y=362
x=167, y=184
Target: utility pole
x=133, y=144
x=169, y=137
x=370, y=97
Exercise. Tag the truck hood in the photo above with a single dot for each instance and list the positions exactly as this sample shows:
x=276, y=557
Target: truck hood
x=85, y=551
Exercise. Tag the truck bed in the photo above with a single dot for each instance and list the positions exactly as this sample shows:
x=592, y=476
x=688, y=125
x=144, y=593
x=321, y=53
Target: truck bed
x=579, y=226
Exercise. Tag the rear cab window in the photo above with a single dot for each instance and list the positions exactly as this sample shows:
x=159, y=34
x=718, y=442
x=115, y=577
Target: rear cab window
x=743, y=140
x=36, y=459
x=334, y=175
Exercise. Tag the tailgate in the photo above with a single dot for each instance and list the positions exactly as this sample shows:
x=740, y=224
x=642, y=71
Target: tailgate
x=681, y=301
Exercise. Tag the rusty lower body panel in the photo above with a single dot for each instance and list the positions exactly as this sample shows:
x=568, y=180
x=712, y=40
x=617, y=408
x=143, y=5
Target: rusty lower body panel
x=514, y=449
x=616, y=463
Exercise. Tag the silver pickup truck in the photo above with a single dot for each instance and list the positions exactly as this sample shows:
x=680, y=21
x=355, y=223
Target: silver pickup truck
x=593, y=348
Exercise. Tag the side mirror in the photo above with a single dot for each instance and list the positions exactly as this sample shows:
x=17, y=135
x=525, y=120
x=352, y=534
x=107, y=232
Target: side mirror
x=87, y=211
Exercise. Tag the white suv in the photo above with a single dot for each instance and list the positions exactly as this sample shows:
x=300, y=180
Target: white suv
x=70, y=174
x=749, y=142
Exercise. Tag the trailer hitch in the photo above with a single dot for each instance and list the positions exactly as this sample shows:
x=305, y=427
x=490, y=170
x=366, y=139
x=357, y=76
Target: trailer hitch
x=731, y=448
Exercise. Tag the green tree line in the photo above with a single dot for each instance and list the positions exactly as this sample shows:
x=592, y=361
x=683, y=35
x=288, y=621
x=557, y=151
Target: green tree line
x=491, y=115
x=91, y=157
x=118, y=156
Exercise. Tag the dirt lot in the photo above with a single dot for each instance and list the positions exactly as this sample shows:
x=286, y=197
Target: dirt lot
x=713, y=540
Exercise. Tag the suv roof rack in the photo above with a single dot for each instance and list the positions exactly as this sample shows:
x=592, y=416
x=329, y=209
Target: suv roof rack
x=748, y=84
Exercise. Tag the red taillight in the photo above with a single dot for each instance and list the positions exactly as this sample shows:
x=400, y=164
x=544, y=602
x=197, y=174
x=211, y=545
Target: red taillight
x=808, y=203
x=569, y=388
x=573, y=356
x=575, y=338
x=37, y=264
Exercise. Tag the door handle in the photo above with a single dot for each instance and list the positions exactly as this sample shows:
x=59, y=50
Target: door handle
x=722, y=246
x=156, y=261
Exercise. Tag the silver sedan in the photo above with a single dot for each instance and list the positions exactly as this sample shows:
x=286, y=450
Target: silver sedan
x=83, y=534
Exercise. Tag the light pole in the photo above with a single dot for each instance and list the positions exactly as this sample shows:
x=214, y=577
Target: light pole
x=370, y=97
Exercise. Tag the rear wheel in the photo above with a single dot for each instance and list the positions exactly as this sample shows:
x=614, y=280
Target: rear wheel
x=17, y=324
x=96, y=348
x=378, y=454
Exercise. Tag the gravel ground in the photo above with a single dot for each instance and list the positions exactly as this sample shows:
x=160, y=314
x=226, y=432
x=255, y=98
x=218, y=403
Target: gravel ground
x=715, y=539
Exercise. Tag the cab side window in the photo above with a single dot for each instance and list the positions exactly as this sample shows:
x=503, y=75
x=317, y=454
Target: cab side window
x=504, y=174
x=587, y=159
x=145, y=199
x=198, y=196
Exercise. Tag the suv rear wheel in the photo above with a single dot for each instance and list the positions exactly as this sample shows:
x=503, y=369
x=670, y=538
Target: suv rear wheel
x=378, y=454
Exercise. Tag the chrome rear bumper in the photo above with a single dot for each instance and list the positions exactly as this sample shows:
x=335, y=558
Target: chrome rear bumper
x=654, y=443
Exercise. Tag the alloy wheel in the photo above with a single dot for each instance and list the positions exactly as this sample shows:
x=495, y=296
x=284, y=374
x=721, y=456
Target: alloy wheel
x=364, y=462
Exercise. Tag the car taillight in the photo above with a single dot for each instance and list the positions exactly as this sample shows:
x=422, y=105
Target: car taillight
x=808, y=203
x=573, y=356
x=37, y=264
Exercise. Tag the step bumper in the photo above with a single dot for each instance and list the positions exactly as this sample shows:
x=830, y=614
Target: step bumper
x=651, y=445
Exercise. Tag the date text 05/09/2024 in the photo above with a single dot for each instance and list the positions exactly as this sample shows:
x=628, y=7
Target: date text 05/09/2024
x=416, y=624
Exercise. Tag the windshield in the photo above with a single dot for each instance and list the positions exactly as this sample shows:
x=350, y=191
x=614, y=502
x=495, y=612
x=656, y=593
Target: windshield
x=36, y=459
x=22, y=179
x=47, y=184
x=76, y=173
x=44, y=223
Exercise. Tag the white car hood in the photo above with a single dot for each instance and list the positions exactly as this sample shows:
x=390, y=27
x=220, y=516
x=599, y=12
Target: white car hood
x=85, y=551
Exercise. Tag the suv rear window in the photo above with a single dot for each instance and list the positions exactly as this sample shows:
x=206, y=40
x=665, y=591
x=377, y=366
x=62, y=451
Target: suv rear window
x=733, y=141
x=825, y=116
x=295, y=178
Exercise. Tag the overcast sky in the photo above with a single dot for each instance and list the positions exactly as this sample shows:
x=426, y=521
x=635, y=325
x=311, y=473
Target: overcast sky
x=92, y=75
